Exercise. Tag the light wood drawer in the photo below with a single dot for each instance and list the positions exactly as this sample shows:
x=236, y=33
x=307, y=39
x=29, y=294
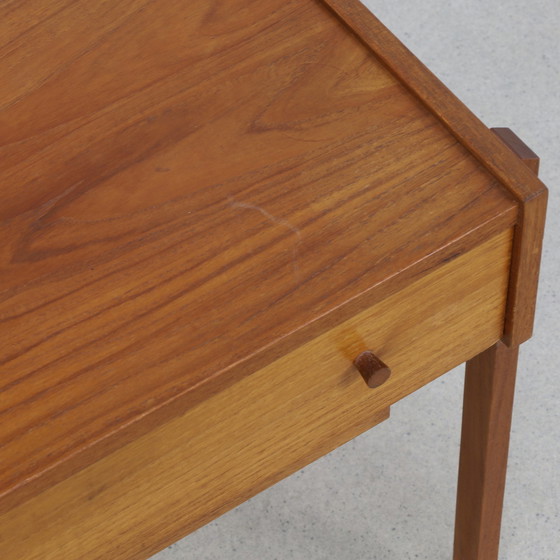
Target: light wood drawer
x=274, y=421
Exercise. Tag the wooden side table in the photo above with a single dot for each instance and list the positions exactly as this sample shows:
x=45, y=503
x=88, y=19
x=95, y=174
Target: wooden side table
x=234, y=234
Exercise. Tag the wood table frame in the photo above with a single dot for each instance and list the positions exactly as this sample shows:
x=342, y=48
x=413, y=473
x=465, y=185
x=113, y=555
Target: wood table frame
x=172, y=443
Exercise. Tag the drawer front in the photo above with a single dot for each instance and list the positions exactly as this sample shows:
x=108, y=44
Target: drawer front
x=181, y=475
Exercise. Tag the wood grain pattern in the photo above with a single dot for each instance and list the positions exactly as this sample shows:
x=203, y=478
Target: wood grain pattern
x=530, y=193
x=461, y=122
x=488, y=403
x=184, y=473
x=526, y=260
x=190, y=191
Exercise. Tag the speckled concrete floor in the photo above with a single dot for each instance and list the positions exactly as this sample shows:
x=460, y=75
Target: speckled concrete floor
x=503, y=60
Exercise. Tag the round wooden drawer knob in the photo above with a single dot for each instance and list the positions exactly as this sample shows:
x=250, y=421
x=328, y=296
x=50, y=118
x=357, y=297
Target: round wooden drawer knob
x=373, y=370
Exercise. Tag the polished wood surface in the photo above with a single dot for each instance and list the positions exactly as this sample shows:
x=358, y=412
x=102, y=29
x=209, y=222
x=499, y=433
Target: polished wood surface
x=494, y=154
x=184, y=473
x=191, y=191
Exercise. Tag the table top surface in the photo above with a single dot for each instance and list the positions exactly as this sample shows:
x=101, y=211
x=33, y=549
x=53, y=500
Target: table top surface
x=191, y=190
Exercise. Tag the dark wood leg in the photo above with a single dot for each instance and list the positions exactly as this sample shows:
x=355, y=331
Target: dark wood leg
x=488, y=402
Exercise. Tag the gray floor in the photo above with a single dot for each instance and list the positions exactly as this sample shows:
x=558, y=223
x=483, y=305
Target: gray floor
x=502, y=59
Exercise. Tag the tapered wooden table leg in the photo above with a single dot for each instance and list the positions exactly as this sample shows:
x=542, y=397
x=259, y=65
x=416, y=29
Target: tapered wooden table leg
x=488, y=401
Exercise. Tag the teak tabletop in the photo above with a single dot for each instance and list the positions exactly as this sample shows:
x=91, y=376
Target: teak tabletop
x=216, y=215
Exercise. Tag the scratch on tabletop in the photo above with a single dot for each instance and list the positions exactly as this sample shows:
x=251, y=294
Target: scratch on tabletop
x=279, y=221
